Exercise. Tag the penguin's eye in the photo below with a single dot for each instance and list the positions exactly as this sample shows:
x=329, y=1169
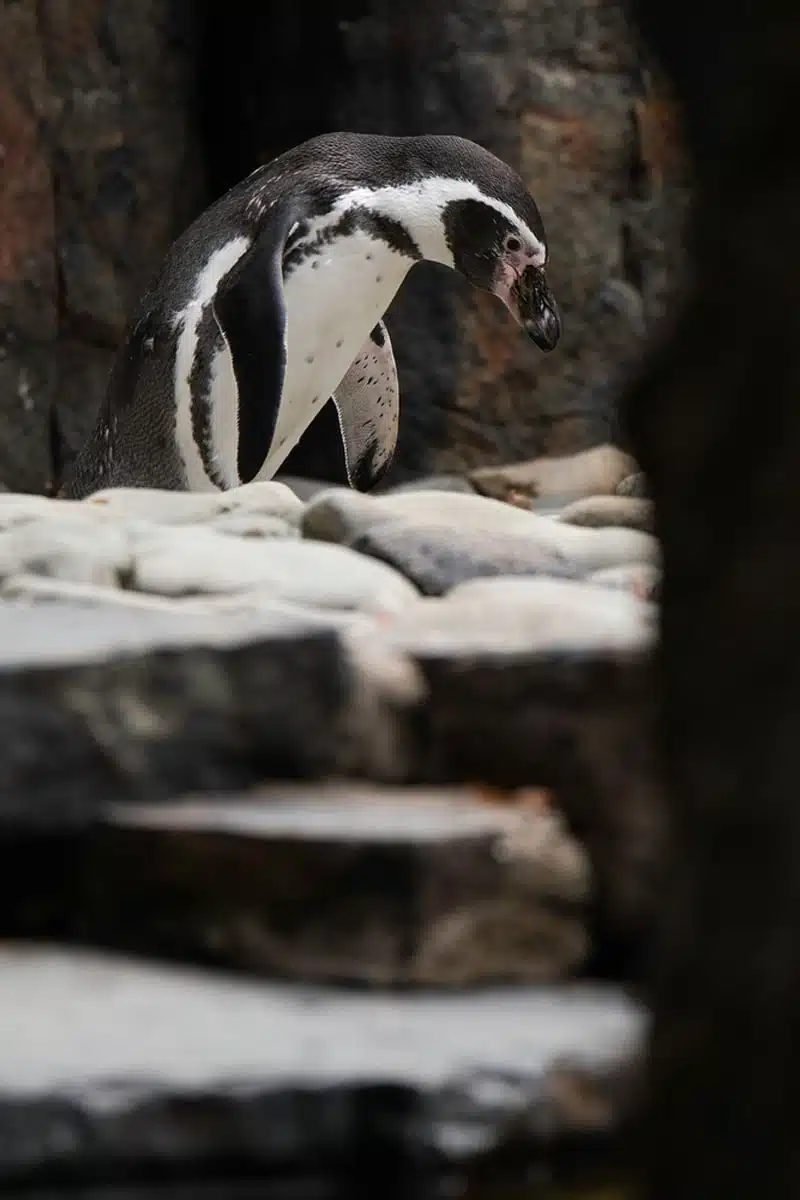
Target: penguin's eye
x=513, y=243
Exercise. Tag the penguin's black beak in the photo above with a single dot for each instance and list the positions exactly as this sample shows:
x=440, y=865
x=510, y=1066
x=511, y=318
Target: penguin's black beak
x=537, y=311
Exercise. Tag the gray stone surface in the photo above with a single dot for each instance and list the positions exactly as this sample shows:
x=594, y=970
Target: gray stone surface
x=100, y=703
x=99, y=554
x=341, y=515
x=255, y=525
x=341, y=882
x=593, y=472
x=100, y=172
x=634, y=485
x=518, y=617
x=190, y=561
x=272, y=499
x=179, y=1070
x=643, y=580
x=147, y=653
x=438, y=557
x=599, y=512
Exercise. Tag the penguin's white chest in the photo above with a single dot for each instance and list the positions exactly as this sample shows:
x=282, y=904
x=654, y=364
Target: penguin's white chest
x=333, y=299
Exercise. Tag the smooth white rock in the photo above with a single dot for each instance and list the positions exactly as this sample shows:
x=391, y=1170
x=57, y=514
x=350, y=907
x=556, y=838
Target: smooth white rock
x=515, y=615
x=196, y=560
x=177, y=508
x=339, y=515
x=65, y=550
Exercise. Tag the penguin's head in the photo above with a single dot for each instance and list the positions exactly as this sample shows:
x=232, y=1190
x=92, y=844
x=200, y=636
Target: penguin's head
x=498, y=251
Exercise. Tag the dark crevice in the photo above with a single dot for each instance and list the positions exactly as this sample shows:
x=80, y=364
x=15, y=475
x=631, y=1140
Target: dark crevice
x=269, y=78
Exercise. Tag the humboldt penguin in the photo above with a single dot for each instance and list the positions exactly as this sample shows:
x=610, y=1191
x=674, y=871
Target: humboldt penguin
x=268, y=311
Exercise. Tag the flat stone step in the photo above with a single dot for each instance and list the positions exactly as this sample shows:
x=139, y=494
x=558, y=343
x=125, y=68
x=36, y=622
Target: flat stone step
x=111, y=704
x=107, y=1065
x=346, y=882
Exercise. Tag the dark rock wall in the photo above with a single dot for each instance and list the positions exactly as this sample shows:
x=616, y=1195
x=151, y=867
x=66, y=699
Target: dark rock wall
x=119, y=119
x=100, y=170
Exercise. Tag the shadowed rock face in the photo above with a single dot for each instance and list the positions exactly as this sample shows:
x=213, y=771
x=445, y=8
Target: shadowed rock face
x=716, y=424
x=99, y=172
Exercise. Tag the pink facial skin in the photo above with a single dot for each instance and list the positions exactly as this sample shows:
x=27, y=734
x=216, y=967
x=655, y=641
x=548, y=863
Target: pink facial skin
x=516, y=257
x=520, y=283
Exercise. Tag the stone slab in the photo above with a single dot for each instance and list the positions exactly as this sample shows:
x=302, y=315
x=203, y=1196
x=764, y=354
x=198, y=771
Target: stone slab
x=342, y=882
x=176, y=1071
x=101, y=704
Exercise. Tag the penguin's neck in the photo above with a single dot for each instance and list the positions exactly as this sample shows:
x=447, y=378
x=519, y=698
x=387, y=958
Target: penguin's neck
x=414, y=209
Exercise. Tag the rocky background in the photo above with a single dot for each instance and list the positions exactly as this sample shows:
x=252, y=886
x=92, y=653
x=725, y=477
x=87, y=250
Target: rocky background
x=121, y=120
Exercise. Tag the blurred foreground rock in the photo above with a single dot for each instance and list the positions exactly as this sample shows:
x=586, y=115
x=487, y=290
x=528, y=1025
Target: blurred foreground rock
x=177, y=1074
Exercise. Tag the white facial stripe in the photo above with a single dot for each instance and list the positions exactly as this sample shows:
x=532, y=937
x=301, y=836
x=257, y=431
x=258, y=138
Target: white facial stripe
x=217, y=267
x=420, y=205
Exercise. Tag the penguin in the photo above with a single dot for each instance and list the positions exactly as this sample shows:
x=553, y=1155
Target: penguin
x=267, y=312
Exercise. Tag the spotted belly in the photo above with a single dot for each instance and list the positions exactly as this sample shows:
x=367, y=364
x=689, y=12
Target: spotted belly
x=333, y=300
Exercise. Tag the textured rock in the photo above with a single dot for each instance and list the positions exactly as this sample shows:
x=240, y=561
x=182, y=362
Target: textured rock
x=343, y=516
x=253, y=526
x=644, y=580
x=549, y=681
x=437, y=557
x=592, y=472
x=99, y=703
x=634, y=485
x=180, y=1071
x=272, y=499
x=43, y=589
x=188, y=561
x=74, y=552
x=241, y=541
x=599, y=512
x=343, y=883
x=28, y=318
x=94, y=101
x=528, y=617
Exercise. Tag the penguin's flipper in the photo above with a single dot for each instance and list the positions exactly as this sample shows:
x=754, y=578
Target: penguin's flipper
x=367, y=403
x=251, y=311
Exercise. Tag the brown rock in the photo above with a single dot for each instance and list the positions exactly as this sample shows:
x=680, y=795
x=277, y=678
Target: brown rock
x=340, y=882
x=593, y=472
x=599, y=512
x=27, y=253
x=98, y=173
